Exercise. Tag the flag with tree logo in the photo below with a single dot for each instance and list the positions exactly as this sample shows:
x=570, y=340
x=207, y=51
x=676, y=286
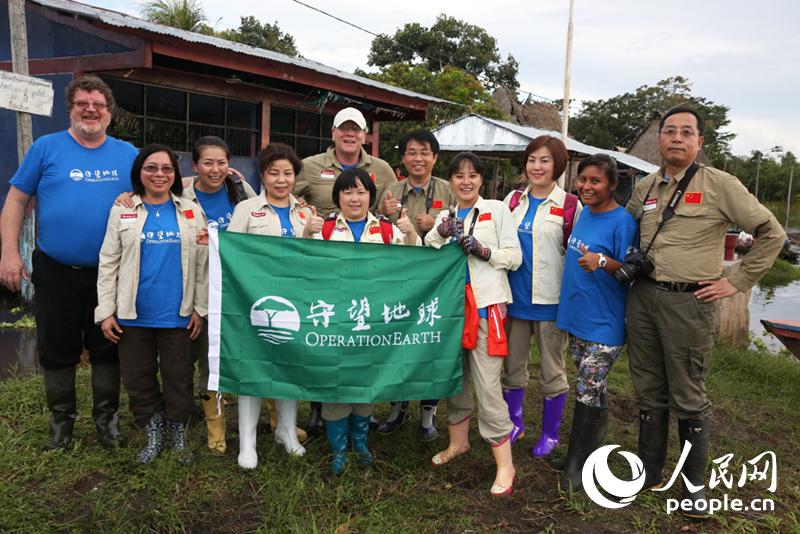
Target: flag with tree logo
x=334, y=322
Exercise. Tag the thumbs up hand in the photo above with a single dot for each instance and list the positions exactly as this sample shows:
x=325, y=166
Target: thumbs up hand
x=404, y=223
x=389, y=204
x=314, y=225
x=590, y=261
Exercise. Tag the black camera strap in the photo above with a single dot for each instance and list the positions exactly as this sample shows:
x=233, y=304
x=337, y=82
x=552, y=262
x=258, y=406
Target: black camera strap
x=428, y=195
x=669, y=211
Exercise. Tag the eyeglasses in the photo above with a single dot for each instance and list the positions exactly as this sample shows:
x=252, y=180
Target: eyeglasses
x=165, y=169
x=352, y=127
x=671, y=131
x=420, y=153
x=84, y=104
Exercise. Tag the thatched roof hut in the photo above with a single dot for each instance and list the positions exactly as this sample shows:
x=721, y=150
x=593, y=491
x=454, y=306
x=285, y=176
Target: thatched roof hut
x=645, y=145
x=529, y=113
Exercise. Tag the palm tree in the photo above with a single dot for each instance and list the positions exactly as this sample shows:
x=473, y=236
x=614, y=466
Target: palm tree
x=183, y=14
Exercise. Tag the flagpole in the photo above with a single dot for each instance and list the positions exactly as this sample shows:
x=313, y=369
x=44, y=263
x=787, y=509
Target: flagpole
x=567, y=75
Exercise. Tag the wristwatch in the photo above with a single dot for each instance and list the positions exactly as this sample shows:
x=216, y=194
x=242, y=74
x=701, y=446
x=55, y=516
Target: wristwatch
x=602, y=261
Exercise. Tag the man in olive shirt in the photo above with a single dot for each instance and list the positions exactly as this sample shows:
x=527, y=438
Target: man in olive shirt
x=671, y=310
x=423, y=196
x=315, y=183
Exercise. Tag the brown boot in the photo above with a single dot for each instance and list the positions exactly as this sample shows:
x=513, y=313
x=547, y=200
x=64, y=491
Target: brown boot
x=215, y=422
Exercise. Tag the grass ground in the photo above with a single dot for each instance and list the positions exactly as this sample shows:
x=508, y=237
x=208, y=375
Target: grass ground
x=757, y=408
x=781, y=273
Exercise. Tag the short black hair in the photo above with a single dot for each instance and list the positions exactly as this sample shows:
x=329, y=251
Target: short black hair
x=218, y=142
x=420, y=136
x=349, y=179
x=701, y=123
x=138, y=163
x=605, y=163
x=277, y=151
x=456, y=162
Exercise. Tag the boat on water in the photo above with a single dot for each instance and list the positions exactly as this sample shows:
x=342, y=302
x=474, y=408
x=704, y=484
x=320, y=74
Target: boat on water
x=788, y=332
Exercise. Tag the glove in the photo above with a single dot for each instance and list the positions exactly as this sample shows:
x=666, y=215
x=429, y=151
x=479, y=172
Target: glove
x=470, y=245
x=447, y=228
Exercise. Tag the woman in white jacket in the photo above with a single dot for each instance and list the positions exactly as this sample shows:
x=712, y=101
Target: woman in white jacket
x=274, y=212
x=485, y=230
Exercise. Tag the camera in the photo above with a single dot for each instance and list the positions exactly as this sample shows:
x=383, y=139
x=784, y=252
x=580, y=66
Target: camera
x=634, y=265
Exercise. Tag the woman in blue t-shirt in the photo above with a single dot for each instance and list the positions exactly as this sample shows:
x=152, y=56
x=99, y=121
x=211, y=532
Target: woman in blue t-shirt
x=592, y=306
x=543, y=213
x=152, y=291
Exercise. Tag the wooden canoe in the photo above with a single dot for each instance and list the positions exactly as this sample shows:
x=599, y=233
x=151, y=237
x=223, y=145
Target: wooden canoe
x=788, y=332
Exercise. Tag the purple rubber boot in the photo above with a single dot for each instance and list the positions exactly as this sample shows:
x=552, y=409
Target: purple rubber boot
x=514, y=399
x=551, y=421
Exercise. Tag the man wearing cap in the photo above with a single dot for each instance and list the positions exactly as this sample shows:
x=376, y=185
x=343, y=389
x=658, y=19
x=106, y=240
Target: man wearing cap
x=75, y=176
x=424, y=196
x=349, y=132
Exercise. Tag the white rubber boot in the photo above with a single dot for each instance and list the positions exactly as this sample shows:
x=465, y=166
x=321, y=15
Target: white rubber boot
x=249, y=410
x=286, y=433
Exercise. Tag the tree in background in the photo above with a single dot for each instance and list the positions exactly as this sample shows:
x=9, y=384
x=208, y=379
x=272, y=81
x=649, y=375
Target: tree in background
x=267, y=36
x=183, y=14
x=449, y=42
x=615, y=121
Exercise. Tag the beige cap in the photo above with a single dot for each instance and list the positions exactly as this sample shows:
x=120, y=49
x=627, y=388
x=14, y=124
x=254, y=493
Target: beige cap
x=350, y=114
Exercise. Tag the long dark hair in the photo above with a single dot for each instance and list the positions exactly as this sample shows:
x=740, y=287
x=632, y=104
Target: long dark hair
x=138, y=163
x=214, y=141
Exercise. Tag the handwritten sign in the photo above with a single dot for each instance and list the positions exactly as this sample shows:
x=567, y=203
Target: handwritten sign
x=26, y=93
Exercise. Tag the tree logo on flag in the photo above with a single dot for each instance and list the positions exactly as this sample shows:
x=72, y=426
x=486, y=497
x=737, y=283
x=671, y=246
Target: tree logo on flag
x=276, y=318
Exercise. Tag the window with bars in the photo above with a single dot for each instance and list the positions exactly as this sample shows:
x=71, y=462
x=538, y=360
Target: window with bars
x=153, y=114
x=307, y=132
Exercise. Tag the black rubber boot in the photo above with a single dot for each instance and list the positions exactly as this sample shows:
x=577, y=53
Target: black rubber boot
x=315, y=424
x=59, y=387
x=653, y=433
x=155, y=439
x=589, y=424
x=105, y=399
x=695, y=431
x=180, y=442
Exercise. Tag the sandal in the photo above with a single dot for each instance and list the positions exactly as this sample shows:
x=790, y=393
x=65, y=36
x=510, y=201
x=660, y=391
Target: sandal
x=500, y=491
x=442, y=458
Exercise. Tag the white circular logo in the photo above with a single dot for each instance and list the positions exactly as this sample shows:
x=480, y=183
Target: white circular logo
x=276, y=318
x=76, y=175
x=596, y=467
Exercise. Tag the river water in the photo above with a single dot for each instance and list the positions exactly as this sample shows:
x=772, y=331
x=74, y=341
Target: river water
x=773, y=303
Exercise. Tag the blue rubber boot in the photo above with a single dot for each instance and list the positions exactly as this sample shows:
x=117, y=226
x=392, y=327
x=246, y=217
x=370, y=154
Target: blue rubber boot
x=359, y=427
x=337, y=436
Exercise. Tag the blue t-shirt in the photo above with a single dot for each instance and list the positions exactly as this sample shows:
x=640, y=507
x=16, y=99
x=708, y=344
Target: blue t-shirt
x=158, y=298
x=287, y=230
x=592, y=305
x=521, y=280
x=217, y=207
x=357, y=227
x=348, y=167
x=75, y=188
x=461, y=215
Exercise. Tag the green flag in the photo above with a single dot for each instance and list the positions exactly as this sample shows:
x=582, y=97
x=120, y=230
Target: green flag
x=334, y=322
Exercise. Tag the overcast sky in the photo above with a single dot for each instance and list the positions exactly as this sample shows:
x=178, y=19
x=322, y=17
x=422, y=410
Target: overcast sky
x=740, y=54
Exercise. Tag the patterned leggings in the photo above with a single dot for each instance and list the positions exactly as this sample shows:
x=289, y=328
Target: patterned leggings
x=594, y=362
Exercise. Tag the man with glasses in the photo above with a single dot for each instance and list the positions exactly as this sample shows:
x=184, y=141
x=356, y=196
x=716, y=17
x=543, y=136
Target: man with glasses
x=349, y=133
x=75, y=176
x=423, y=196
x=671, y=310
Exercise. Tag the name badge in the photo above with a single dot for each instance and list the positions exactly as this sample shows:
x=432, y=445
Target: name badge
x=693, y=198
x=375, y=230
x=327, y=174
x=257, y=213
x=650, y=204
x=128, y=218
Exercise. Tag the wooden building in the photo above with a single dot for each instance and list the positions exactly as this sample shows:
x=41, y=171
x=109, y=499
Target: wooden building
x=173, y=86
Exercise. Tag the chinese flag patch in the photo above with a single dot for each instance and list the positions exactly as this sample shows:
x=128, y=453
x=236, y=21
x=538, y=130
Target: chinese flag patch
x=555, y=210
x=693, y=198
x=375, y=230
x=301, y=214
x=189, y=214
x=372, y=176
x=485, y=217
x=437, y=204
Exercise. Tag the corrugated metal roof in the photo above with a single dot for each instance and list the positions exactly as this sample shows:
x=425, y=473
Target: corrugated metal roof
x=482, y=134
x=121, y=20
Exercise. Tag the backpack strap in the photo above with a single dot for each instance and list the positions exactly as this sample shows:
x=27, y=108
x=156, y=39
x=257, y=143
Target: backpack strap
x=241, y=194
x=328, y=225
x=570, y=207
x=515, y=198
x=387, y=230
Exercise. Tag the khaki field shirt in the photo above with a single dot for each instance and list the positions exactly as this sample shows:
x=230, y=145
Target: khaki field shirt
x=442, y=198
x=256, y=216
x=691, y=244
x=118, y=272
x=315, y=182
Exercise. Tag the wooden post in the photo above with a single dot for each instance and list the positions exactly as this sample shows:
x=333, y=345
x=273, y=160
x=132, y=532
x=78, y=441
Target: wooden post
x=789, y=196
x=19, y=65
x=567, y=76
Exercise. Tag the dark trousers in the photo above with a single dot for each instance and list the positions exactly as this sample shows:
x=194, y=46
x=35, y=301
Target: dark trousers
x=64, y=301
x=200, y=356
x=143, y=352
